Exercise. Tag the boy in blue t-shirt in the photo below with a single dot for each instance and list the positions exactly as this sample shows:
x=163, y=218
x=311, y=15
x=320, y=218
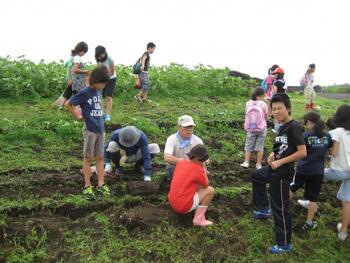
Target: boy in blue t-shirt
x=289, y=147
x=89, y=100
x=310, y=170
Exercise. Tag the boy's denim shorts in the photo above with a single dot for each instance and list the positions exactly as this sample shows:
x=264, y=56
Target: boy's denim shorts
x=344, y=176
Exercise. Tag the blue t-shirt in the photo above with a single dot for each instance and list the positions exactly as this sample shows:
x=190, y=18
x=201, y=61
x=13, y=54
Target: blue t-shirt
x=142, y=145
x=316, y=148
x=90, y=104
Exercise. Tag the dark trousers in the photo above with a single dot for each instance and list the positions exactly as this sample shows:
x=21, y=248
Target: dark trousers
x=279, y=198
x=169, y=171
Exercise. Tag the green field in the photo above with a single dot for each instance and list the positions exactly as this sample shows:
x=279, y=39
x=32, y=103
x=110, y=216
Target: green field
x=44, y=218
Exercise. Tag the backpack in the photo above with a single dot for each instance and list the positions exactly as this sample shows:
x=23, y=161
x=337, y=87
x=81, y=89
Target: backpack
x=266, y=83
x=303, y=81
x=254, y=118
x=136, y=69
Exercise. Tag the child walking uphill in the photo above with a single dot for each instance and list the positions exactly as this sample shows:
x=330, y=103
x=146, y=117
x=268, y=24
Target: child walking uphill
x=189, y=188
x=340, y=165
x=102, y=58
x=78, y=72
x=289, y=147
x=89, y=100
x=255, y=125
x=310, y=169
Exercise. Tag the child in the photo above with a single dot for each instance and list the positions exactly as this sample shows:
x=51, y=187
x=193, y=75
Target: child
x=289, y=147
x=255, y=125
x=189, y=188
x=143, y=76
x=268, y=82
x=103, y=58
x=89, y=100
x=309, y=92
x=78, y=72
x=68, y=79
x=311, y=168
x=340, y=165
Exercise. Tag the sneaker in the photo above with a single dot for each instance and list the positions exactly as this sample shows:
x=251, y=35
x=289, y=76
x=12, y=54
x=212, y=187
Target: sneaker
x=137, y=98
x=258, y=166
x=341, y=235
x=107, y=117
x=104, y=190
x=88, y=193
x=147, y=178
x=276, y=249
x=313, y=225
x=262, y=214
x=245, y=164
x=119, y=171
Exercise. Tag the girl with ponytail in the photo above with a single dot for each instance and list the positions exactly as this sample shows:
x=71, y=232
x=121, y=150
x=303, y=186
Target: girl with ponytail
x=310, y=170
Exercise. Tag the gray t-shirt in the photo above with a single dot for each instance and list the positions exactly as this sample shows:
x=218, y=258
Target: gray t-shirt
x=172, y=146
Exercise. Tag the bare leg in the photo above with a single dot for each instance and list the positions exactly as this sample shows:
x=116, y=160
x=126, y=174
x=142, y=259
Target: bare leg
x=311, y=211
x=205, y=195
x=100, y=171
x=345, y=220
x=259, y=157
x=87, y=171
x=109, y=105
x=247, y=156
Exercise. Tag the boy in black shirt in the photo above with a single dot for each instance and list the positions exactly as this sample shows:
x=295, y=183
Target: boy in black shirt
x=289, y=147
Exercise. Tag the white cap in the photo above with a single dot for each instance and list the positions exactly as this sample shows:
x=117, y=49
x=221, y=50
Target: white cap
x=185, y=121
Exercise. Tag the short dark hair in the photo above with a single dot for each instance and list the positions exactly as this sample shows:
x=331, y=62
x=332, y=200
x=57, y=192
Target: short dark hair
x=311, y=66
x=80, y=47
x=341, y=117
x=199, y=152
x=151, y=45
x=283, y=98
x=257, y=92
x=330, y=123
x=99, y=50
x=279, y=76
x=100, y=75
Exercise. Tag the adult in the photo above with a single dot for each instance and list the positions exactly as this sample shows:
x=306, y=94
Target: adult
x=179, y=144
x=130, y=145
x=143, y=75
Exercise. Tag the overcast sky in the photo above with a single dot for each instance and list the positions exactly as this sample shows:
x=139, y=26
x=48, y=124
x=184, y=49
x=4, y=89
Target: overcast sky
x=245, y=35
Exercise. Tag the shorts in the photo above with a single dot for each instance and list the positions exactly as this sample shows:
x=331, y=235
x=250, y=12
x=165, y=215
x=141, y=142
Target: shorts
x=255, y=141
x=144, y=79
x=344, y=176
x=312, y=185
x=68, y=92
x=195, y=202
x=93, y=144
x=110, y=88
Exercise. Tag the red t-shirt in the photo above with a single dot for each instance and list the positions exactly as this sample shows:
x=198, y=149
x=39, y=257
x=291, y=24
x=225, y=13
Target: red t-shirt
x=186, y=179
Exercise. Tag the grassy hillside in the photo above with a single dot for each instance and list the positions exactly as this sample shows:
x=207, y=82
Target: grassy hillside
x=44, y=218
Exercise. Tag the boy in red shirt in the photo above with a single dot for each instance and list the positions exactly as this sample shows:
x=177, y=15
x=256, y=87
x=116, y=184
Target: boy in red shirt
x=189, y=188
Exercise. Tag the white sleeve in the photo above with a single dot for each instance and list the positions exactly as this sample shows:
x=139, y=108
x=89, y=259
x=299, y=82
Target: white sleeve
x=336, y=134
x=170, y=145
x=77, y=59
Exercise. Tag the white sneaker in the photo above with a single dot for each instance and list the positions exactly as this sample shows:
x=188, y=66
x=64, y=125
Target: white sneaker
x=147, y=178
x=258, y=166
x=304, y=203
x=245, y=164
x=341, y=235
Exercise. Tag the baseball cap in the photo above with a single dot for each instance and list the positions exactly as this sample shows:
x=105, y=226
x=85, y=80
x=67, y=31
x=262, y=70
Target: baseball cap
x=278, y=70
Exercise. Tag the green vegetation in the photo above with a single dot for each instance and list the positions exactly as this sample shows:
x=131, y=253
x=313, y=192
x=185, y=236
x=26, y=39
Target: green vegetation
x=43, y=217
x=344, y=88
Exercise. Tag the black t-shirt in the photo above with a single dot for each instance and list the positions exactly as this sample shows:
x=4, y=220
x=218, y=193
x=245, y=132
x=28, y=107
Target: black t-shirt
x=316, y=148
x=290, y=136
x=148, y=58
x=280, y=83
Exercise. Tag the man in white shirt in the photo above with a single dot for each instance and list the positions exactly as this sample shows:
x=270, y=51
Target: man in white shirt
x=178, y=145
